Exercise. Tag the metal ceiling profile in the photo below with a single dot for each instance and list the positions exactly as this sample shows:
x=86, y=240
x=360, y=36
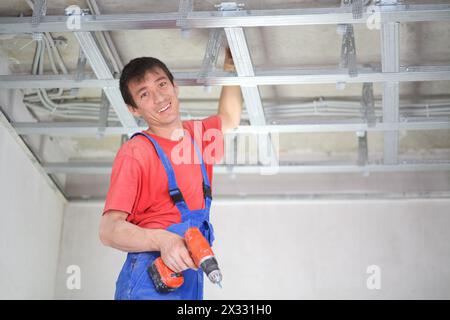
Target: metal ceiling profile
x=244, y=68
x=214, y=19
x=261, y=77
x=102, y=71
x=390, y=62
x=89, y=129
x=405, y=166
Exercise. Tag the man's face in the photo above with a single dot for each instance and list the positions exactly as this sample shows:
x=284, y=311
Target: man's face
x=156, y=99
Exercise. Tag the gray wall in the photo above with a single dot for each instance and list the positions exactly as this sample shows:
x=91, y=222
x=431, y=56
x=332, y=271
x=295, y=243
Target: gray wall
x=30, y=228
x=294, y=250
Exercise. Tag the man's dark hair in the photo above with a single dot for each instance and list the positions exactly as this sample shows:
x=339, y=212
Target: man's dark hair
x=135, y=70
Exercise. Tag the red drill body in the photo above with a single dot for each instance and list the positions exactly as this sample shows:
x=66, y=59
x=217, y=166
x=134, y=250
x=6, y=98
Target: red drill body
x=166, y=280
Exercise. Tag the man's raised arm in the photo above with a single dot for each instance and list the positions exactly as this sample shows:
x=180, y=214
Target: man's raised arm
x=230, y=103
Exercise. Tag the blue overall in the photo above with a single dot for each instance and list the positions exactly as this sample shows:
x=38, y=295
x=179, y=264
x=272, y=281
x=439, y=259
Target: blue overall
x=134, y=281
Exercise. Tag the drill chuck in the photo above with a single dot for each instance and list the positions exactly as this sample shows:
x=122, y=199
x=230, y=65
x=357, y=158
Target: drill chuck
x=215, y=277
x=210, y=267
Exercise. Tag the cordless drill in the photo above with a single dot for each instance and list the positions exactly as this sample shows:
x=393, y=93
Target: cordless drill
x=166, y=280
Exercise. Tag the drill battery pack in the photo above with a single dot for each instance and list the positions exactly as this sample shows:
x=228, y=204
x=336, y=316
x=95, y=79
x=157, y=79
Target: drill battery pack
x=164, y=279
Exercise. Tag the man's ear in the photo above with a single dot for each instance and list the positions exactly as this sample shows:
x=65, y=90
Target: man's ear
x=134, y=111
x=177, y=90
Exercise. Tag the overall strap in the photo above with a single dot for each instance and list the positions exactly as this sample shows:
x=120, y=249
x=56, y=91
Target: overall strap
x=206, y=185
x=174, y=191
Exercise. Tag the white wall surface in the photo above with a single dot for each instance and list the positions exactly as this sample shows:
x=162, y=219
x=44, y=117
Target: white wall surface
x=32, y=212
x=81, y=247
x=30, y=228
x=294, y=250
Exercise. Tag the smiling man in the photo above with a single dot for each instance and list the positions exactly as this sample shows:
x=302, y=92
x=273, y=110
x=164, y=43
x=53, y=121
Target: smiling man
x=141, y=216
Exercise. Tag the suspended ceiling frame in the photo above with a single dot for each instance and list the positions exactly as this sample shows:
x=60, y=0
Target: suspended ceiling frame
x=390, y=74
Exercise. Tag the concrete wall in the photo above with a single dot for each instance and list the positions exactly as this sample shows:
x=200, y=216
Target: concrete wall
x=30, y=230
x=294, y=250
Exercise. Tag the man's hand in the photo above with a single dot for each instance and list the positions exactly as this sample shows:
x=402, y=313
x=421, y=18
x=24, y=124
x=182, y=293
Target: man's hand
x=228, y=64
x=118, y=233
x=174, y=252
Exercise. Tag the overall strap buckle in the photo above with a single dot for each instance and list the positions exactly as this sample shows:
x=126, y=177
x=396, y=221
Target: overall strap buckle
x=176, y=195
x=207, y=191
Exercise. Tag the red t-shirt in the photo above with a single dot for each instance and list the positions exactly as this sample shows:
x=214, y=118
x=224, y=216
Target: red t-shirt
x=139, y=184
